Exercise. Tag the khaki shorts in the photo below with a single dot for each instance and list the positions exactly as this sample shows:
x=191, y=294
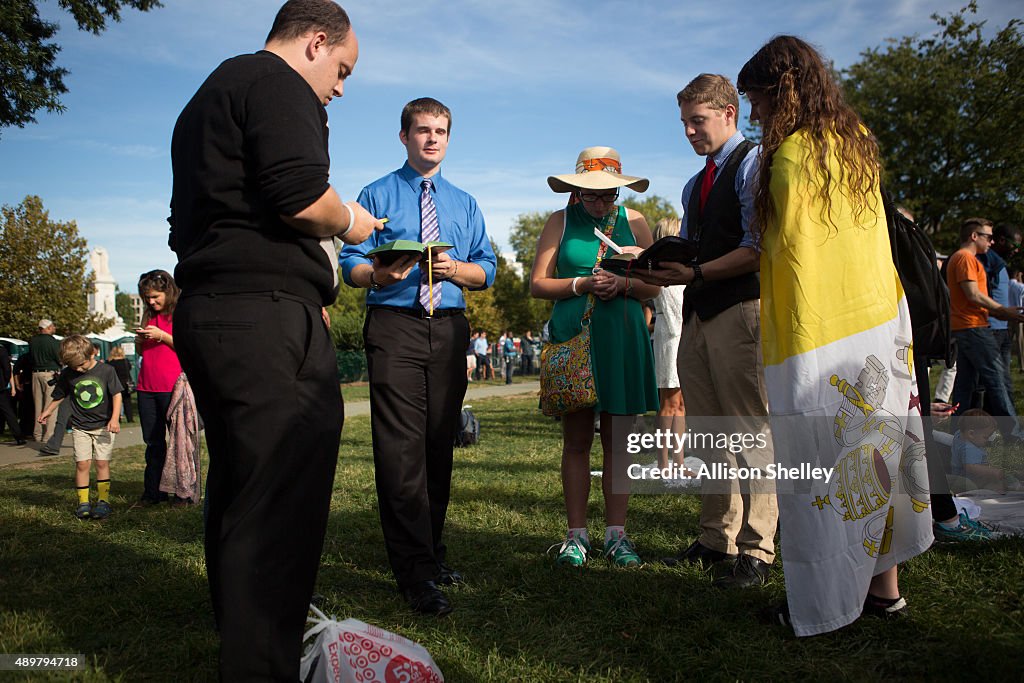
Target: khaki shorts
x=92, y=444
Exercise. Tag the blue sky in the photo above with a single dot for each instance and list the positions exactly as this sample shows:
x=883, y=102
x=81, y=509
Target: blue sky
x=530, y=84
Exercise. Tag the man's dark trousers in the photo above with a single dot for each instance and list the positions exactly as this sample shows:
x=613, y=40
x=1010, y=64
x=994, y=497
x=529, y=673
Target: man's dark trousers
x=943, y=508
x=60, y=428
x=1002, y=339
x=978, y=360
x=264, y=374
x=418, y=380
x=8, y=415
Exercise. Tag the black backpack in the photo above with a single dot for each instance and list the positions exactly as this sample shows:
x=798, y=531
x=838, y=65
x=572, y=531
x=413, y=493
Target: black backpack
x=925, y=286
x=469, y=429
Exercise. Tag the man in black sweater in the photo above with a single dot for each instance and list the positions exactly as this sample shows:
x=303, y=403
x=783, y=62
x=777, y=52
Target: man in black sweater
x=253, y=219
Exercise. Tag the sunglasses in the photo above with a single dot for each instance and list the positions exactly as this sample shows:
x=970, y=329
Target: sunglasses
x=154, y=276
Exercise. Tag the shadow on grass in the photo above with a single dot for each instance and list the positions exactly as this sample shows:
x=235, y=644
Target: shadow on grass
x=86, y=589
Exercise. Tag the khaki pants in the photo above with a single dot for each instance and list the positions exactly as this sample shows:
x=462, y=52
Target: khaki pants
x=42, y=397
x=721, y=373
x=92, y=444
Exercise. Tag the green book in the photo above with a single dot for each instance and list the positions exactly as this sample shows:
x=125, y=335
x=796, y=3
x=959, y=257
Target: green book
x=392, y=251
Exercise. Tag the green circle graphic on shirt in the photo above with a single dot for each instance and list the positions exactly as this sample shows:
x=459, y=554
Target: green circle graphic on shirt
x=89, y=393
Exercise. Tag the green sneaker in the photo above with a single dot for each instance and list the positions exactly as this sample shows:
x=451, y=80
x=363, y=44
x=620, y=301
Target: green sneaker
x=572, y=552
x=966, y=530
x=621, y=552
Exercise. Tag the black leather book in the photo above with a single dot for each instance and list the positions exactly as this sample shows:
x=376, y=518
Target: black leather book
x=668, y=249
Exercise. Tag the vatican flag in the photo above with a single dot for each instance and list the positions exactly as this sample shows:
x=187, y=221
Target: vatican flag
x=838, y=361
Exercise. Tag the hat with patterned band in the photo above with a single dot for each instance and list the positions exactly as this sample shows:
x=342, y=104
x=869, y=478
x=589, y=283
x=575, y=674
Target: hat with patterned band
x=597, y=168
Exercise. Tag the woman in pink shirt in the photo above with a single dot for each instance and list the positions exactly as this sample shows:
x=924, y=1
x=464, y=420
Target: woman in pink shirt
x=160, y=369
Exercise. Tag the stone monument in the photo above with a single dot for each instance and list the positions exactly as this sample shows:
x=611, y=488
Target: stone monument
x=102, y=299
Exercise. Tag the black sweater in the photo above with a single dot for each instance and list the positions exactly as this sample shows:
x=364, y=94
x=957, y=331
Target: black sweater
x=249, y=147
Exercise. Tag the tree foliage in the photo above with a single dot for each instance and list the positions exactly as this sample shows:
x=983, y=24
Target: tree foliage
x=512, y=297
x=653, y=208
x=524, y=235
x=483, y=313
x=30, y=77
x=347, y=314
x=124, y=308
x=44, y=273
x=946, y=112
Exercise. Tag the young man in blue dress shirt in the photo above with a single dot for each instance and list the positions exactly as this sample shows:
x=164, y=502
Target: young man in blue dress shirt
x=416, y=340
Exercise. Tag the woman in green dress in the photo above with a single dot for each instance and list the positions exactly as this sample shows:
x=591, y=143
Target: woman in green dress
x=623, y=362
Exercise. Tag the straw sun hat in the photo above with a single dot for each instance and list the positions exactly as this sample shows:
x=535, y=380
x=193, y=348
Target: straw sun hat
x=597, y=168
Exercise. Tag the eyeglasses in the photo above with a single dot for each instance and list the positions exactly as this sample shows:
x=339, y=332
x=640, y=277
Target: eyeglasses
x=603, y=197
x=986, y=235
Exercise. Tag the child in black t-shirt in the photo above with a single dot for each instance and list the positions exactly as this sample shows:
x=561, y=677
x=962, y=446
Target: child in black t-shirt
x=95, y=413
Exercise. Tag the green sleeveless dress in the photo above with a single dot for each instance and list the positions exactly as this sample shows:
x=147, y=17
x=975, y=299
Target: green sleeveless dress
x=621, y=353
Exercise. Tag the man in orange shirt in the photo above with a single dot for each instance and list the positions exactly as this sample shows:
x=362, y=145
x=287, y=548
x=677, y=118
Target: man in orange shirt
x=977, y=354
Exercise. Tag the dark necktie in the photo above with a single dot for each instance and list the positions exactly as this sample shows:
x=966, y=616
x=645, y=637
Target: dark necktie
x=430, y=231
x=709, y=180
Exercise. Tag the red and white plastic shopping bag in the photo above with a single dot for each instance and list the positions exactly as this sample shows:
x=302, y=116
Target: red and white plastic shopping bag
x=353, y=651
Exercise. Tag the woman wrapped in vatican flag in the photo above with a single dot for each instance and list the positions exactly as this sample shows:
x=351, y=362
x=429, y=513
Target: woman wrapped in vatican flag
x=837, y=349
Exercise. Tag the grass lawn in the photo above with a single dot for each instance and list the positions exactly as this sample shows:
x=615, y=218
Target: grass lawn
x=130, y=592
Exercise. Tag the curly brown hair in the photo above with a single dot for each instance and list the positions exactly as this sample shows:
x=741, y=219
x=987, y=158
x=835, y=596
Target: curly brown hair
x=802, y=94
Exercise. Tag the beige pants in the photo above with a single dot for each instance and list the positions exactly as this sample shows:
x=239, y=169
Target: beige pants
x=92, y=444
x=721, y=373
x=42, y=397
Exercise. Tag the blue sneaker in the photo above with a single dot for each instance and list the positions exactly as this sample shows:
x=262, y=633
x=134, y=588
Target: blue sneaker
x=101, y=510
x=84, y=511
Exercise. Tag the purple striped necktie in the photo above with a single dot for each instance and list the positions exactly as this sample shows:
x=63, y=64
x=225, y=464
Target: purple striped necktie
x=430, y=231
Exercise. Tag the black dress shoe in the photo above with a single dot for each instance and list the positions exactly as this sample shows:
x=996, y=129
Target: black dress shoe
x=20, y=442
x=776, y=615
x=698, y=554
x=446, y=576
x=426, y=598
x=747, y=571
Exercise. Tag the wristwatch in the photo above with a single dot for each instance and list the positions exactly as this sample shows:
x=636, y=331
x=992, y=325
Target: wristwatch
x=698, y=277
x=374, y=285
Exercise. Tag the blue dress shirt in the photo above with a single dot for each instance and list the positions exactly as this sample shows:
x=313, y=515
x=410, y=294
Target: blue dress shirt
x=998, y=284
x=746, y=177
x=1016, y=293
x=397, y=197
